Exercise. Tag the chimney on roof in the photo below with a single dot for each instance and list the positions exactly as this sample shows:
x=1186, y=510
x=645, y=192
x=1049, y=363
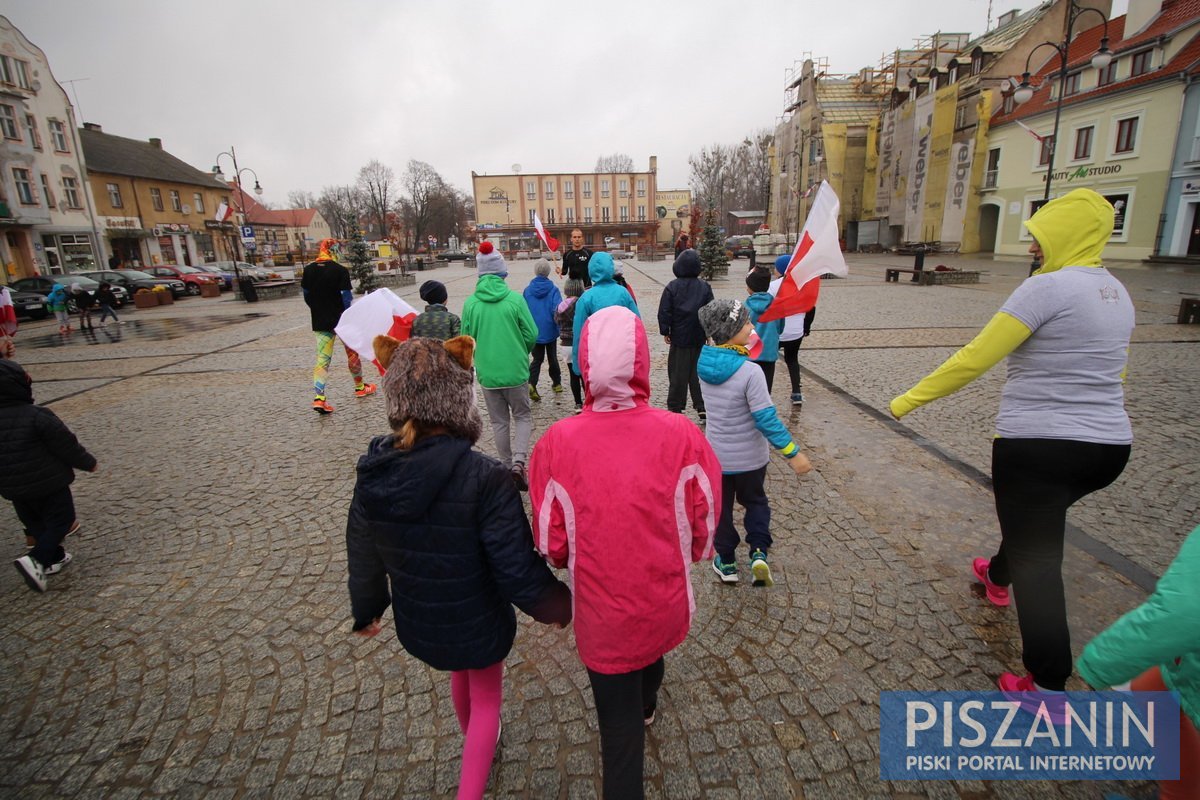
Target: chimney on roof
x=1007, y=17
x=154, y=140
x=654, y=163
x=92, y=126
x=1140, y=14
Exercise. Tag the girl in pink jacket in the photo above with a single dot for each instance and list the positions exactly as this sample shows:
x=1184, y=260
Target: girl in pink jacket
x=626, y=497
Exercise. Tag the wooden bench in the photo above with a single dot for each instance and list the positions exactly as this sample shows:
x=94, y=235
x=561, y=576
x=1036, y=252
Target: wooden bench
x=274, y=290
x=931, y=277
x=893, y=274
x=1189, y=310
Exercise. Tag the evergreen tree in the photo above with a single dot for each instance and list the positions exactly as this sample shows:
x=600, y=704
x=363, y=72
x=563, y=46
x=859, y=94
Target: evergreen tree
x=361, y=268
x=713, y=261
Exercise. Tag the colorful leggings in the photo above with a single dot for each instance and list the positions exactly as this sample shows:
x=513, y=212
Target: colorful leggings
x=477, y=694
x=325, y=355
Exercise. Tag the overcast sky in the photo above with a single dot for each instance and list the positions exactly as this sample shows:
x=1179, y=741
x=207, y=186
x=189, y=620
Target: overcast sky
x=310, y=91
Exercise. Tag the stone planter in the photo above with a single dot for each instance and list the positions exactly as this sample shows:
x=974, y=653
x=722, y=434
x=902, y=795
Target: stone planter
x=164, y=298
x=210, y=290
x=145, y=300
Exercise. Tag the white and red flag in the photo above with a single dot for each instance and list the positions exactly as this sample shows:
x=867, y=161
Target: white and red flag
x=548, y=240
x=755, y=346
x=224, y=212
x=818, y=252
x=8, y=314
x=380, y=312
x=1031, y=131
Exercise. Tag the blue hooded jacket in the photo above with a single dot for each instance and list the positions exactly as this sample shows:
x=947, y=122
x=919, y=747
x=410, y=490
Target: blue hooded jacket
x=605, y=292
x=769, y=332
x=543, y=297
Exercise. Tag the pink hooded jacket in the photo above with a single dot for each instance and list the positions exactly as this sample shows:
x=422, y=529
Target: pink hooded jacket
x=626, y=496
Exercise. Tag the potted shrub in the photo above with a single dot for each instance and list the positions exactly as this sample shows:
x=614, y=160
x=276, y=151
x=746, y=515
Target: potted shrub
x=144, y=298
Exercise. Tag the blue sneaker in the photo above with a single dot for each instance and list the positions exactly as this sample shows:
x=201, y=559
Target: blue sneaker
x=726, y=570
x=761, y=569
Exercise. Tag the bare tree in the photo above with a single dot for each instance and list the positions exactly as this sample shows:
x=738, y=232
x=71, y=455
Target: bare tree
x=711, y=174
x=375, y=182
x=733, y=177
x=617, y=162
x=341, y=206
x=301, y=198
x=424, y=190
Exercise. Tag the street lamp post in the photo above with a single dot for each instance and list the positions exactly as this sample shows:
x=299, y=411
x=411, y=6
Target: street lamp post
x=1024, y=92
x=241, y=206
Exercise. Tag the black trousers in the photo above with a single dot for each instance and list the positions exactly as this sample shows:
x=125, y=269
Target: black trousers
x=768, y=368
x=1035, y=481
x=682, y=378
x=791, y=351
x=621, y=705
x=747, y=489
x=576, y=386
x=47, y=519
x=545, y=351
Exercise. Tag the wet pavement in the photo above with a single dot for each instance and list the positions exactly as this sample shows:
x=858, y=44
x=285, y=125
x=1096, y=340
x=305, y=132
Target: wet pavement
x=199, y=643
x=160, y=330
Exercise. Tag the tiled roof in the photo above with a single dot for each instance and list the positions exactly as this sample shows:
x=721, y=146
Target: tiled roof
x=255, y=213
x=292, y=217
x=1175, y=14
x=116, y=155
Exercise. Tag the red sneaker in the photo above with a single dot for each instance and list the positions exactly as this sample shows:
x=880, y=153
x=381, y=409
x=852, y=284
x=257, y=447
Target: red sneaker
x=321, y=407
x=998, y=595
x=365, y=389
x=1009, y=682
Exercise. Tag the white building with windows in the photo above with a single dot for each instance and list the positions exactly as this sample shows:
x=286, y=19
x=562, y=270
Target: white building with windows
x=1117, y=133
x=47, y=217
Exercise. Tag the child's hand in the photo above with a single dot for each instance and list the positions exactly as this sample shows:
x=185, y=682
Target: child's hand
x=800, y=464
x=667, y=339
x=371, y=630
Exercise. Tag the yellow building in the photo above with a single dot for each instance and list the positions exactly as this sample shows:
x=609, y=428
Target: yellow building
x=613, y=209
x=673, y=209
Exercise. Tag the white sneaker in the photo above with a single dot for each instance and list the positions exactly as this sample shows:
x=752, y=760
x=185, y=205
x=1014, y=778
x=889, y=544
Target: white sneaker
x=57, y=566
x=32, y=572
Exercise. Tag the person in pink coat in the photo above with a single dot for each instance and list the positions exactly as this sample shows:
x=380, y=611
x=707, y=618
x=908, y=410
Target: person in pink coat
x=626, y=497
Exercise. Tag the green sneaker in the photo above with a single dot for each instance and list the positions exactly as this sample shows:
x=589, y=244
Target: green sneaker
x=726, y=570
x=761, y=569
x=557, y=388
x=533, y=393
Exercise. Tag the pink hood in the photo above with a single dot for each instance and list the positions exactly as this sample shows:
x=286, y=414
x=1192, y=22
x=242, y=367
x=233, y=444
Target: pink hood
x=613, y=381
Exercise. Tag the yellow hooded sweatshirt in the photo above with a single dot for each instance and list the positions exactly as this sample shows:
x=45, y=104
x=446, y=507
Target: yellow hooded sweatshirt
x=1072, y=231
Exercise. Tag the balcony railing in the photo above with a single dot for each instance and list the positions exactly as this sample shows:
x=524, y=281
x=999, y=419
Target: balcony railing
x=989, y=178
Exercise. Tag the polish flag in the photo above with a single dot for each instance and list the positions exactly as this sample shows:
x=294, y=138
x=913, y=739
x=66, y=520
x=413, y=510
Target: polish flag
x=550, y=242
x=755, y=346
x=817, y=253
x=224, y=212
x=1031, y=131
x=380, y=312
x=8, y=314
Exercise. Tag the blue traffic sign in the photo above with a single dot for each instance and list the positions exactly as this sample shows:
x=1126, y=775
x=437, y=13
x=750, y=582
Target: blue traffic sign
x=247, y=231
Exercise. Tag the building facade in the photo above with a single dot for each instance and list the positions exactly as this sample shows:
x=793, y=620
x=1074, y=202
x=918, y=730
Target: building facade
x=609, y=208
x=1180, y=237
x=47, y=218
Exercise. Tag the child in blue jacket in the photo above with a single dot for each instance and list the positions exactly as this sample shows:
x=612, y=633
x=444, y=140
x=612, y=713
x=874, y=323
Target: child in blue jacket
x=543, y=297
x=757, y=284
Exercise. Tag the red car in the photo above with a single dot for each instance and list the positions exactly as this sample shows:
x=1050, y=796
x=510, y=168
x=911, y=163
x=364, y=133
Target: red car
x=192, y=278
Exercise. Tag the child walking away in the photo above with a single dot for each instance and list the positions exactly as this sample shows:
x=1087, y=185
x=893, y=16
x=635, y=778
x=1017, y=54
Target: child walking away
x=542, y=297
x=680, y=328
x=629, y=539
x=757, y=283
x=742, y=421
x=438, y=530
x=501, y=323
x=107, y=300
x=437, y=322
x=619, y=279
x=83, y=302
x=795, y=328
x=565, y=316
x=38, y=459
x=56, y=301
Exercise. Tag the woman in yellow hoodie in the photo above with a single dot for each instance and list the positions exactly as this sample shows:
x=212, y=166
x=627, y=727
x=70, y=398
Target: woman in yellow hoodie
x=1062, y=431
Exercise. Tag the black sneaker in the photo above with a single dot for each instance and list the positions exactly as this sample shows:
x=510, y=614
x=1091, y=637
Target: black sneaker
x=703, y=415
x=520, y=477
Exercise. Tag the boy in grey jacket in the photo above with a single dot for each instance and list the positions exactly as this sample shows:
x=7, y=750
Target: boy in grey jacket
x=741, y=422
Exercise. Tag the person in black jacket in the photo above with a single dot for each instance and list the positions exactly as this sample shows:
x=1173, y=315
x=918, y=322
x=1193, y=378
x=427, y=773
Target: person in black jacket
x=38, y=459
x=444, y=527
x=679, y=324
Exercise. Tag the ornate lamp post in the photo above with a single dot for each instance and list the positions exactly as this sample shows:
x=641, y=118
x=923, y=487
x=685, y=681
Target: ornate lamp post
x=241, y=207
x=1024, y=92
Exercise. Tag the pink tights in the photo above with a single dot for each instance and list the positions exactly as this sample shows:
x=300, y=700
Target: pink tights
x=477, y=694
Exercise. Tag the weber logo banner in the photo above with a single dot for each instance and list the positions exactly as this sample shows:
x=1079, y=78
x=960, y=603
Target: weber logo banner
x=1028, y=736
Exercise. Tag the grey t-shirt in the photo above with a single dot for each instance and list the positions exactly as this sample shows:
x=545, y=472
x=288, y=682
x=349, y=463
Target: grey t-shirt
x=1064, y=381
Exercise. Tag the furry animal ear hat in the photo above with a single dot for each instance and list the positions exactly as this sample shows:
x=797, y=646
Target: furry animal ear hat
x=430, y=384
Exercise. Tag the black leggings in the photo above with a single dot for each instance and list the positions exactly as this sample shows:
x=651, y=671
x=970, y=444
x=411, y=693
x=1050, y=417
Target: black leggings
x=791, y=351
x=621, y=704
x=1035, y=481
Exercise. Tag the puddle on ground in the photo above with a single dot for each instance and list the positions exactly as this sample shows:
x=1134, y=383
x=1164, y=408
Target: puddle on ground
x=138, y=330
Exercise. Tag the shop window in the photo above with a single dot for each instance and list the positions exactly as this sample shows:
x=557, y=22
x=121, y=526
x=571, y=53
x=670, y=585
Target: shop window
x=156, y=199
x=167, y=245
x=76, y=252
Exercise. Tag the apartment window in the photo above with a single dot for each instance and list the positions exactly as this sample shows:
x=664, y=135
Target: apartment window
x=570, y=214
x=156, y=198
x=1083, y=143
x=198, y=203
x=14, y=71
x=960, y=117
x=604, y=215
x=31, y=128
x=624, y=213
x=58, y=135
x=641, y=184
x=624, y=187
x=569, y=190
x=1047, y=151
x=71, y=192
x=22, y=74
x=176, y=202
x=1009, y=103
x=24, y=187
x=993, y=168
x=8, y=122
x=1140, y=63
x=550, y=215
x=604, y=190
x=587, y=214
x=977, y=65
x=641, y=213
x=587, y=190
x=1108, y=74
x=532, y=213
x=530, y=190
x=114, y=194
x=46, y=193
x=549, y=189
x=1126, y=135
x=1071, y=85
x=953, y=74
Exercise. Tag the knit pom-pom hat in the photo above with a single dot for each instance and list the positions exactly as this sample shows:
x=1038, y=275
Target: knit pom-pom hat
x=489, y=262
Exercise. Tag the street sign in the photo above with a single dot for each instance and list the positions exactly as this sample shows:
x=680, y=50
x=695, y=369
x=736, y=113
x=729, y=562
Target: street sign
x=247, y=234
x=249, y=245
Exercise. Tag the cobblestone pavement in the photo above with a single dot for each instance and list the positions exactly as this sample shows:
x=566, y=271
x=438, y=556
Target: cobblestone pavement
x=199, y=643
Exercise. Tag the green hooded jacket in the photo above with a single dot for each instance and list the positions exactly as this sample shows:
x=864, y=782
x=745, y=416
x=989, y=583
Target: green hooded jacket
x=504, y=332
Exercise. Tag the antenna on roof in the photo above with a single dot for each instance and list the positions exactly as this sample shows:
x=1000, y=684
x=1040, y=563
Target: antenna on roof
x=989, y=19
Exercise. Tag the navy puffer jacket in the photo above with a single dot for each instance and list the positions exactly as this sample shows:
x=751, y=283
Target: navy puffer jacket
x=444, y=525
x=38, y=453
x=678, y=310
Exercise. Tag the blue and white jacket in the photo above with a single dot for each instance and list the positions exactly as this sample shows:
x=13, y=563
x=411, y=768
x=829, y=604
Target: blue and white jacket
x=741, y=416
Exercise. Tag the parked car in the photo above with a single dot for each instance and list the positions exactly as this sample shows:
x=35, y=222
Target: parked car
x=454, y=255
x=44, y=284
x=192, y=278
x=30, y=304
x=225, y=276
x=132, y=279
x=739, y=246
x=256, y=274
